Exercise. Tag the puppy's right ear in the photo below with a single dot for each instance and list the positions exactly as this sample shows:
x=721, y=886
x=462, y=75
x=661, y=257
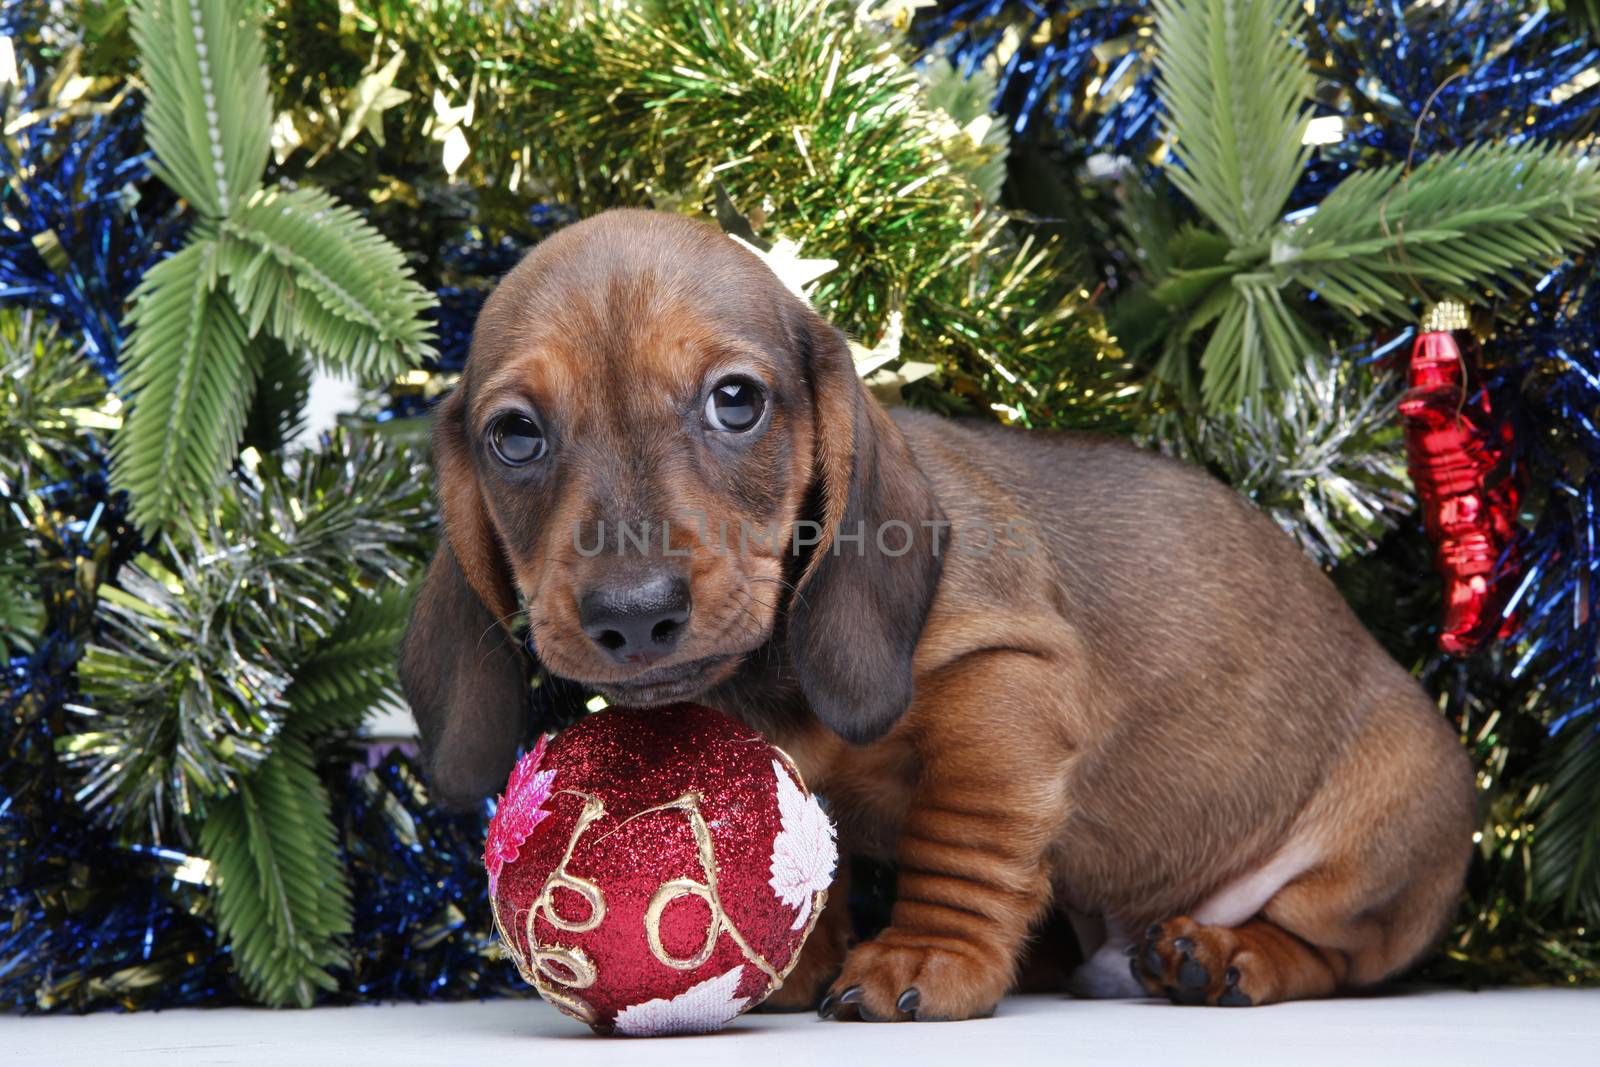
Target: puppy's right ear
x=464, y=672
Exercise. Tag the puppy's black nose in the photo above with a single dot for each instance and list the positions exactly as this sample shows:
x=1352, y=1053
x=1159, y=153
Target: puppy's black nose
x=638, y=622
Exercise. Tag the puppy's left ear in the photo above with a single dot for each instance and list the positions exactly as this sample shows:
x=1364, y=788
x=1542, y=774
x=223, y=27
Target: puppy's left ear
x=463, y=670
x=862, y=598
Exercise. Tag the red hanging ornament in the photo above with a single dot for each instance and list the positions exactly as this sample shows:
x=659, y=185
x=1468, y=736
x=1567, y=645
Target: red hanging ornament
x=1459, y=456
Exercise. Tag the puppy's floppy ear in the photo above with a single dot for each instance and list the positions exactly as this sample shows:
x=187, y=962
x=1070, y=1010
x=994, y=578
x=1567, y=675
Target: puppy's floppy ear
x=463, y=671
x=861, y=602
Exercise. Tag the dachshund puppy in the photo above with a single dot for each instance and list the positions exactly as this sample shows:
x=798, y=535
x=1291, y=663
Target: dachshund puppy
x=1036, y=671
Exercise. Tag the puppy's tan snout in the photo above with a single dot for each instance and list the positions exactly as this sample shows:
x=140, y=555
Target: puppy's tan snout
x=637, y=621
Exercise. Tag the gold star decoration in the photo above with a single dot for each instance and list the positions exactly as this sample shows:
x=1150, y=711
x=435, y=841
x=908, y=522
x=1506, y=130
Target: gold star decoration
x=448, y=127
x=783, y=259
x=365, y=104
x=872, y=364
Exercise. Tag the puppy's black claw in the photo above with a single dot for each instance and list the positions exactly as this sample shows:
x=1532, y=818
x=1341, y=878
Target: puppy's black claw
x=1182, y=944
x=1152, y=963
x=852, y=995
x=1192, y=974
x=825, y=1009
x=1154, y=933
x=1131, y=949
x=909, y=1001
x=1136, y=969
x=1234, y=997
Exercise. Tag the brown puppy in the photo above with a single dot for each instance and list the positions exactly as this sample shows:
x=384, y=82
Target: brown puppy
x=1033, y=670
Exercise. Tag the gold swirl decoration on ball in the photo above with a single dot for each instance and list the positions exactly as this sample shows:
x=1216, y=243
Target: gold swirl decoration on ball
x=707, y=891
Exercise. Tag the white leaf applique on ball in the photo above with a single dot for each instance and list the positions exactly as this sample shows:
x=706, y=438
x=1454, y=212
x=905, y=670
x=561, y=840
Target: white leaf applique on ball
x=803, y=853
x=700, y=1009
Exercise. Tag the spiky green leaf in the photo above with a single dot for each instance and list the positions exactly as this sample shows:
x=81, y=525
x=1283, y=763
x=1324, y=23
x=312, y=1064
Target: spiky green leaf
x=1235, y=86
x=188, y=373
x=208, y=113
x=1460, y=222
x=283, y=904
x=315, y=274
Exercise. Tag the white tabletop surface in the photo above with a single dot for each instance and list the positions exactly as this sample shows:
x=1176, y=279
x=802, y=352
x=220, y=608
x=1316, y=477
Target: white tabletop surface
x=1504, y=1028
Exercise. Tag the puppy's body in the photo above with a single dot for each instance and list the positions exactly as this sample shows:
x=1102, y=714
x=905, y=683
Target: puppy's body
x=1139, y=704
x=1212, y=721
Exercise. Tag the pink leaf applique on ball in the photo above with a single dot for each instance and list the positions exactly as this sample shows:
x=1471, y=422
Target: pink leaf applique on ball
x=517, y=812
x=803, y=853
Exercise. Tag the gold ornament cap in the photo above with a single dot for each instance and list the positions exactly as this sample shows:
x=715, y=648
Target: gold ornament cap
x=1446, y=316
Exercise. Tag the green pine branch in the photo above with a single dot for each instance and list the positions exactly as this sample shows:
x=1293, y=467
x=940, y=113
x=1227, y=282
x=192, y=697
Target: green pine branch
x=319, y=279
x=223, y=656
x=282, y=900
x=1259, y=343
x=189, y=683
x=1461, y=221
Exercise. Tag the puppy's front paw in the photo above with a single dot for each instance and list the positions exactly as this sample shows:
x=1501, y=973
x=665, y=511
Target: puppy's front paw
x=901, y=976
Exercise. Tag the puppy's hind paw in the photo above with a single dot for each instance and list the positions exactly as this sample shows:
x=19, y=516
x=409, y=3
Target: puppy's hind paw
x=1192, y=964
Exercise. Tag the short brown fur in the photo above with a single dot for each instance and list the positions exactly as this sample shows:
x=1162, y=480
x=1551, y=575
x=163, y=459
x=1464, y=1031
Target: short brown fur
x=1159, y=709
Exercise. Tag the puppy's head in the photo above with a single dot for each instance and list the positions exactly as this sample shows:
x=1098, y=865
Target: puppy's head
x=650, y=452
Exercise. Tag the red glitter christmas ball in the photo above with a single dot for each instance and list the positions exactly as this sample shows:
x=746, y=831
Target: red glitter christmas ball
x=655, y=871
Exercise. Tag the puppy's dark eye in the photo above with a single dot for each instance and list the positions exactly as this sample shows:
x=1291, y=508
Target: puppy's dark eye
x=735, y=405
x=516, y=440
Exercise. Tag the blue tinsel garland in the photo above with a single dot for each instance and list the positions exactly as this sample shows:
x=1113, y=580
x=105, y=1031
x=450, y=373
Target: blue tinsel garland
x=77, y=237
x=1077, y=68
